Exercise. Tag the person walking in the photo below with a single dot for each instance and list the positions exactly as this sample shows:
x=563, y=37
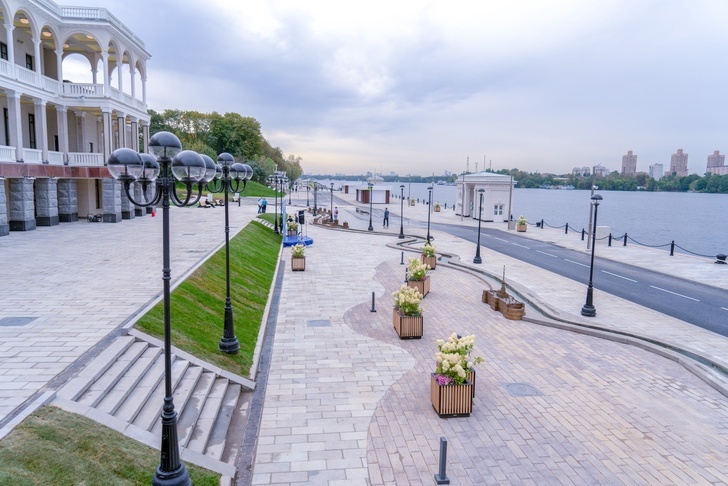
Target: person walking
x=385, y=223
x=336, y=213
x=263, y=204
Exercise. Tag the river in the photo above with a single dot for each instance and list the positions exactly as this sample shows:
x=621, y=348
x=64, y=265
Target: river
x=697, y=222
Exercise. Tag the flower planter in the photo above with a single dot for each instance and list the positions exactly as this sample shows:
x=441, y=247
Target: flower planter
x=345, y=225
x=407, y=327
x=429, y=260
x=298, y=264
x=521, y=228
x=422, y=285
x=490, y=297
x=292, y=233
x=451, y=400
x=471, y=379
x=511, y=308
x=437, y=209
x=412, y=202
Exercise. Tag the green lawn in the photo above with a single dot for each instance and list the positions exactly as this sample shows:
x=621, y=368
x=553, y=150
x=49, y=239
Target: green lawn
x=252, y=189
x=198, y=304
x=56, y=447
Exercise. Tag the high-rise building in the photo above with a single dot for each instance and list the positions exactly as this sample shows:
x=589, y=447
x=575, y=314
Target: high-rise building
x=716, y=164
x=679, y=163
x=629, y=163
x=581, y=171
x=656, y=171
x=600, y=171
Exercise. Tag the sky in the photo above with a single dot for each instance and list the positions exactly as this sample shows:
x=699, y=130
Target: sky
x=422, y=87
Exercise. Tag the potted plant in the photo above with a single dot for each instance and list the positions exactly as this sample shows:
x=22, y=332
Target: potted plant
x=298, y=258
x=521, y=224
x=292, y=227
x=437, y=207
x=429, y=255
x=407, y=316
x=452, y=385
x=417, y=276
x=345, y=225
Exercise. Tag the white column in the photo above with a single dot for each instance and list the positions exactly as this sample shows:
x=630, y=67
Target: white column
x=59, y=65
x=15, y=124
x=41, y=128
x=144, y=90
x=145, y=136
x=81, y=130
x=62, y=121
x=134, y=133
x=133, y=81
x=11, y=44
x=106, y=120
x=119, y=73
x=36, y=54
x=107, y=81
x=121, y=130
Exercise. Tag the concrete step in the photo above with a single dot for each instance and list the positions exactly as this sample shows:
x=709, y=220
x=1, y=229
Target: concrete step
x=139, y=395
x=188, y=417
x=99, y=388
x=218, y=438
x=128, y=383
x=206, y=420
x=152, y=410
x=75, y=388
x=182, y=393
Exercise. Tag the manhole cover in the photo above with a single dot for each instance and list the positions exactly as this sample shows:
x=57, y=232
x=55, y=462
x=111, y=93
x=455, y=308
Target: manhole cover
x=319, y=323
x=521, y=389
x=16, y=321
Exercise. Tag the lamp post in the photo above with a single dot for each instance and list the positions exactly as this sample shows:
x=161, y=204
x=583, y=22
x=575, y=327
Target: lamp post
x=588, y=310
x=315, y=208
x=274, y=182
x=290, y=191
x=369, y=187
x=477, y=258
x=169, y=161
x=331, y=211
x=401, y=212
x=308, y=188
x=429, y=206
x=228, y=178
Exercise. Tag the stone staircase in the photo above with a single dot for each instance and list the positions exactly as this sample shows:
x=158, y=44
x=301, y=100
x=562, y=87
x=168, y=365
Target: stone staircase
x=123, y=388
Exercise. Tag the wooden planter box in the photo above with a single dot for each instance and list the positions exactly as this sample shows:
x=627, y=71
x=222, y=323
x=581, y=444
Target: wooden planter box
x=490, y=297
x=422, y=285
x=412, y=202
x=437, y=209
x=292, y=232
x=407, y=327
x=298, y=264
x=521, y=228
x=431, y=261
x=451, y=400
x=345, y=225
x=511, y=308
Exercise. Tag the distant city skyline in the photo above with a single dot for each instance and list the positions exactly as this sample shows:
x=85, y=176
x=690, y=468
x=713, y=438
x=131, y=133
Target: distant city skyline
x=419, y=86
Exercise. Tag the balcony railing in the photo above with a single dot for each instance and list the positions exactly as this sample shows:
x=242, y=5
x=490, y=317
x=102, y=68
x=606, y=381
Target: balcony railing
x=79, y=159
x=55, y=158
x=32, y=156
x=7, y=154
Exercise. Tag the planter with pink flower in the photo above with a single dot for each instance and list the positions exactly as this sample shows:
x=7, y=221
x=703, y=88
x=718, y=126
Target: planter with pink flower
x=452, y=385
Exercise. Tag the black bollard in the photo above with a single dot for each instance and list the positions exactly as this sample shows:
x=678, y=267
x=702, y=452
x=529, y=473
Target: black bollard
x=672, y=248
x=583, y=232
x=625, y=240
x=401, y=261
x=441, y=477
x=566, y=231
x=373, y=309
x=542, y=224
x=610, y=239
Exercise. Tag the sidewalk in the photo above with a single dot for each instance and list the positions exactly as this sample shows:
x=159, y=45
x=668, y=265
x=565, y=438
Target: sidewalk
x=347, y=401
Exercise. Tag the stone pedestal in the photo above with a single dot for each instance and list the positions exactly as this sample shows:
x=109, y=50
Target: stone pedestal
x=127, y=208
x=67, y=201
x=4, y=226
x=111, y=190
x=46, y=202
x=138, y=196
x=21, y=213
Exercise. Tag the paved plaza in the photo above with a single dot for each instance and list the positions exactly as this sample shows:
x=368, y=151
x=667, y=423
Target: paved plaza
x=347, y=402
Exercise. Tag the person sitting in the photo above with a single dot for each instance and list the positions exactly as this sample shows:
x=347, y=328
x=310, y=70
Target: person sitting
x=204, y=203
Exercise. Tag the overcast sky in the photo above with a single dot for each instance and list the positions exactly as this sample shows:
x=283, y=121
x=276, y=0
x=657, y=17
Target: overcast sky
x=419, y=86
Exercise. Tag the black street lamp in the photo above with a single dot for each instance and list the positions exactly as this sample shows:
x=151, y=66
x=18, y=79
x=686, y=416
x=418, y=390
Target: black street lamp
x=588, y=310
x=170, y=162
x=315, y=208
x=308, y=188
x=369, y=187
x=429, y=206
x=477, y=258
x=290, y=191
x=331, y=213
x=227, y=179
x=401, y=212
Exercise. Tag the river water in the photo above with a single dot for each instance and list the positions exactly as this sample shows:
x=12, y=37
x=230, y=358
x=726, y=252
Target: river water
x=697, y=222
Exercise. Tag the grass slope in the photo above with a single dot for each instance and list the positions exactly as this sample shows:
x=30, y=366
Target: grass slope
x=198, y=303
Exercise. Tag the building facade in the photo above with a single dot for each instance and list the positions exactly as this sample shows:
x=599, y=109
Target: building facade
x=600, y=171
x=656, y=171
x=679, y=163
x=629, y=163
x=497, y=196
x=57, y=132
x=581, y=171
x=716, y=164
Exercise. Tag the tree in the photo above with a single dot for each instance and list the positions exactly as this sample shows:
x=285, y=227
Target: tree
x=239, y=136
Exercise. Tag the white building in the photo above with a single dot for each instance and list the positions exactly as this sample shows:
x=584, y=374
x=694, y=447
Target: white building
x=57, y=131
x=679, y=163
x=656, y=171
x=600, y=171
x=497, y=197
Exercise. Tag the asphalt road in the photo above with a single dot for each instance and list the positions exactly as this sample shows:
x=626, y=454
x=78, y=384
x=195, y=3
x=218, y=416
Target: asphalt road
x=698, y=304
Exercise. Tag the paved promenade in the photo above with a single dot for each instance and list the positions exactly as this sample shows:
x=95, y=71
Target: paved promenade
x=347, y=402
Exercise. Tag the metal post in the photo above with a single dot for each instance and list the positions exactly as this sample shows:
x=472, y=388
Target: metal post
x=625, y=239
x=315, y=207
x=566, y=230
x=542, y=225
x=331, y=211
x=441, y=476
x=429, y=206
x=583, y=231
x=588, y=310
x=229, y=342
x=371, y=191
x=373, y=309
x=308, y=189
x=477, y=258
x=401, y=261
x=275, y=199
x=401, y=212
x=672, y=248
x=589, y=227
x=609, y=240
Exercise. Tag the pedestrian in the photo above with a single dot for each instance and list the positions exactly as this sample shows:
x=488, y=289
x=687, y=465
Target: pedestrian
x=263, y=204
x=385, y=224
x=336, y=213
x=260, y=205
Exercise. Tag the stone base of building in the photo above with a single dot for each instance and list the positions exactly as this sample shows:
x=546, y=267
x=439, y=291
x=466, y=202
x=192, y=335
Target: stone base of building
x=4, y=229
x=112, y=218
x=68, y=218
x=128, y=215
x=22, y=225
x=47, y=220
x=138, y=212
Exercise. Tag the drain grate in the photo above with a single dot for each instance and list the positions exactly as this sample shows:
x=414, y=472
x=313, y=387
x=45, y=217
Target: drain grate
x=319, y=323
x=16, y=321
x=521, y=389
